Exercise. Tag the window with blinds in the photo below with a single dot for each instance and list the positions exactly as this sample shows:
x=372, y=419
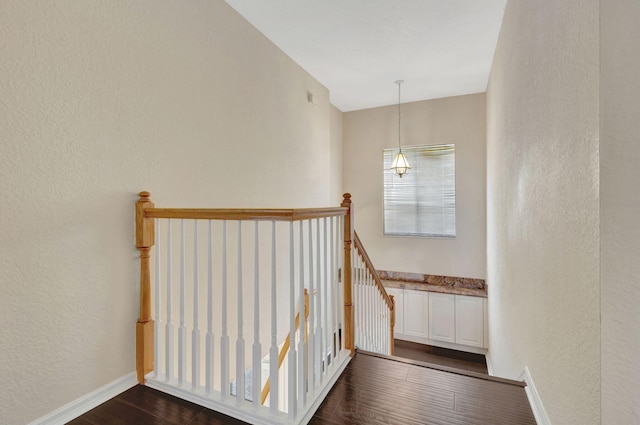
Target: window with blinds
x=423, y=201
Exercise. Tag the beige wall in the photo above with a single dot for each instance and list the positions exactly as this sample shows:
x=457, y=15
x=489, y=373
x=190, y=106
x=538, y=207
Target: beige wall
x=542, y=204
x=335, y=161
x=459, y=120
x=99, y=100
x=620, y=210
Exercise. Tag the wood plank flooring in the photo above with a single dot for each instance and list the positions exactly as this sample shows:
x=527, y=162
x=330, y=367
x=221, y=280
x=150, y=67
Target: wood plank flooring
x=440, y=356
x=375, y=390
x=372, y=391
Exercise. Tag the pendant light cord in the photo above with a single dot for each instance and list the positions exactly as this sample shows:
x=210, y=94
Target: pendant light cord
x=399, y=82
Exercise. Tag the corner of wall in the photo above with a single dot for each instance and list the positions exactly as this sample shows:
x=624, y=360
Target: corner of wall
x=537, y=407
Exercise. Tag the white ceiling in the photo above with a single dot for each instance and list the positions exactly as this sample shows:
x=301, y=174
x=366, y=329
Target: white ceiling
x=358, y=48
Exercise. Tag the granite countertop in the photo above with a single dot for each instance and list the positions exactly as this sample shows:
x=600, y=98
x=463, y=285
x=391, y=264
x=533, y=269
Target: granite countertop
x=433, y=283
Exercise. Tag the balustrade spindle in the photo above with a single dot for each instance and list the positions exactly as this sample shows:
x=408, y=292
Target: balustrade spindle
x=337, y=303
x=273, y=352
x=240, y=339
x=195, y=333
x=291, y=389
x=224, y=339
x=373, y=318
x=182, y=330
x=334, y=286
x=325, y=289
x=156, y=326
x=169, y=324
x=320, y=358
x=210, y=335
x=312, y=312
x=256, y=367
x=302, y=349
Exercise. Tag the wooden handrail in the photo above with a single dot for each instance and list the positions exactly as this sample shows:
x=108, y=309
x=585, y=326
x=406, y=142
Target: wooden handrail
x=245, y=214
x=367, y=261
x=285, y=347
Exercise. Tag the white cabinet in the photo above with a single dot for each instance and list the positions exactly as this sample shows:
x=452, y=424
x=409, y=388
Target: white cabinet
x=469, y=321
x=398, y=297
x=445, y=320
x=416, y=313
x=442, y=317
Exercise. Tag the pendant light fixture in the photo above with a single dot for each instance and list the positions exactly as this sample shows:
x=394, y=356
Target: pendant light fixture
x=400, y=164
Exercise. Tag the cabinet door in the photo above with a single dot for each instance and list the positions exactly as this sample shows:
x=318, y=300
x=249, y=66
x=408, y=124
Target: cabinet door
x=416, y=313
x=442, y=317
x=398, y=296
x=469, y=321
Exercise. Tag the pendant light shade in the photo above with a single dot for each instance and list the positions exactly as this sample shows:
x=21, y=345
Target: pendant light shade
x=400, y=164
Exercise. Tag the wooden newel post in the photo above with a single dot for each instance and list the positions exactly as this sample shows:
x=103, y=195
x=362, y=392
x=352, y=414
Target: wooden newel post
x=392, y=324
x=348, y=302
x=145, y=239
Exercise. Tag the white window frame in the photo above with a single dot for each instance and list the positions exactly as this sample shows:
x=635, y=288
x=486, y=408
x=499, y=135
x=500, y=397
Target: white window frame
x=402, y=194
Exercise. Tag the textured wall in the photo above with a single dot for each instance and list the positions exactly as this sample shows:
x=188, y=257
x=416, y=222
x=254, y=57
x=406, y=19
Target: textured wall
x=99, y=100
x=542, y=204
x=620, y=210
x=335, y=161
x=459, y=120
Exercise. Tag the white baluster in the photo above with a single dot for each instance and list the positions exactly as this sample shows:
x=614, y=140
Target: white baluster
x=342, y=265
x=361, y=306
x=312, y=311
x=292, y=330
x=273, y=351
x=195, y=333
x=336, y=286
x=378, y=317
x=358, y=305
x=240, y=341
x=334, y=289
x=302, y=349
x=330, y=291
x=381, y=320
x=210, y=334
x=169, y=325
x=319, y=331
x=158, y=316
x=257, y=348
x=182, y=330
x=369, y=304
x=224, y=339
x=325, y=300
x=374, y=311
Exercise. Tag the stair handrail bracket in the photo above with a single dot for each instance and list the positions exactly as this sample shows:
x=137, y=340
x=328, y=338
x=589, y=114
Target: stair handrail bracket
x=249, y=312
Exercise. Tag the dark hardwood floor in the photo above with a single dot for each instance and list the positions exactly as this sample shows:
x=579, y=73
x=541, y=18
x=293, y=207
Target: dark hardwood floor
x=145, y=406
x=440, y=356
x=373, y=390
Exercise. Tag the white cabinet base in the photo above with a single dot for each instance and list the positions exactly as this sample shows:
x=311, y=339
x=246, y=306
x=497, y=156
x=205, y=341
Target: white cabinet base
x=457, y=322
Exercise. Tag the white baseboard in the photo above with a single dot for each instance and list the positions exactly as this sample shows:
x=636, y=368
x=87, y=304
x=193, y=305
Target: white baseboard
x=534, y=399
x=77, y=407
x=489, y=363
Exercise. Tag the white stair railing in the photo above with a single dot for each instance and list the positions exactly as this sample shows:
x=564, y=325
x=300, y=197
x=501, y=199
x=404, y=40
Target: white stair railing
x=374, y=308
x=222, y=275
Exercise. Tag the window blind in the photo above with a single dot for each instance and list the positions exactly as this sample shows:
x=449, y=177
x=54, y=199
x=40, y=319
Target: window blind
x=423, y=201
